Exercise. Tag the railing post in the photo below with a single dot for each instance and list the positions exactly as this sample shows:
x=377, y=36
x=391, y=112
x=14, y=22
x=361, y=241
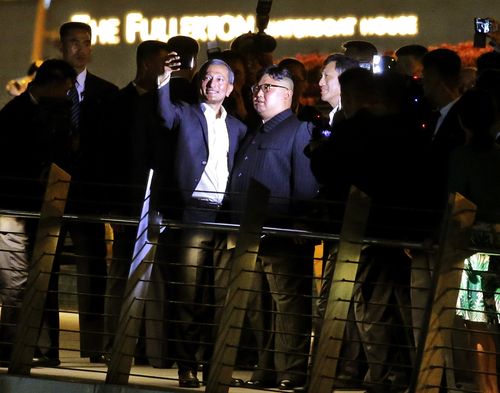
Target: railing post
x=346, y=267
x=44, y=250
x=131, y=312
x=434, y=353
x=241, y=277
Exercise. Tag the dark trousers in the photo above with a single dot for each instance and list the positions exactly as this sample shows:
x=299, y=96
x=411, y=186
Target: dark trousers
x=285, y=268
x=349, y=365
x=118, y=271
x=188, y=254
x=90, y=259
x=383, y=318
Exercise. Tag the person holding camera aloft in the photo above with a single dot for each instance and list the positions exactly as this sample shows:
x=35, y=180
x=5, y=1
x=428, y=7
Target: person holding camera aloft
x=206, y=141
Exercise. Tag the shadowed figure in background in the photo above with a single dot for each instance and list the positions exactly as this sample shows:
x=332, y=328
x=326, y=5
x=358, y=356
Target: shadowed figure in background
x=36, y=128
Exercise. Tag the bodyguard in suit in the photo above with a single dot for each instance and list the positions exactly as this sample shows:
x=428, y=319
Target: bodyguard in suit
x=132, y=153
x=206, y=141
x=333, y=66
x=441, y=85
x=34, y=130
x=273, y=154
x=86, y=195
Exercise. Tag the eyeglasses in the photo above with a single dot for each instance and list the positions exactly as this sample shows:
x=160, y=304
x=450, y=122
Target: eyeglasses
x=265, y=87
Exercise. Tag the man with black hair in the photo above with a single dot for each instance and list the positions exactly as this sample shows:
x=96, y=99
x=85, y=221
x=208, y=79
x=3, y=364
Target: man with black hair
x=441, y=85
x=133, y=139
x=35, y=132
x=90, y=97
x=362, y=51
x=333, y=66
x=273, y=154
x=409, y=60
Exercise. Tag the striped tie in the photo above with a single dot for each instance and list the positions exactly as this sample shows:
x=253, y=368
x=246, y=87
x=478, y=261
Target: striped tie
x=75, y=108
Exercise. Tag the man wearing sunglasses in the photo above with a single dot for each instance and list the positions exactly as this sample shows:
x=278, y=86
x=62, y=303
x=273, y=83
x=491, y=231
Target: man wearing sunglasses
x=273, y=155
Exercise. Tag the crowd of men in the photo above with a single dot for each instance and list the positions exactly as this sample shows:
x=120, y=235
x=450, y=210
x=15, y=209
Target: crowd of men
x=209, y=132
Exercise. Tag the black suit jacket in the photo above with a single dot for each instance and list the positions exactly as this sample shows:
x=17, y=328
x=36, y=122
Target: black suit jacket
x=94, y=108
x=87, y=165
x=34, y=135
x=448, y=137
x=274, y=155
x=130, y=138
x=191, y=145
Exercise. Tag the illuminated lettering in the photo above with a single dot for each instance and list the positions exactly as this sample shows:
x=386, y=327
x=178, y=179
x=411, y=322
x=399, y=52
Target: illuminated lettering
x=173, y=27
x=135, y=24
x=158, y=29
x=105, y=31
x=212, y=27
x=227, y=27
x=316, y=28
x=381, y=25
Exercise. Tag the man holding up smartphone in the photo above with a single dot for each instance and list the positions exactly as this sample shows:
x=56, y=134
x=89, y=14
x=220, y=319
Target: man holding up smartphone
x=206, y=141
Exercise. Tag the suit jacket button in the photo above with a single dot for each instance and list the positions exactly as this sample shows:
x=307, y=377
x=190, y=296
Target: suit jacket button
x=246, y=158
x=204, y=162
x=239, y=174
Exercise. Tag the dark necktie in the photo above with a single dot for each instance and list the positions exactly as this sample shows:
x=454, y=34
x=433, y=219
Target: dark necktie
x=74, y=119
x=75, y=108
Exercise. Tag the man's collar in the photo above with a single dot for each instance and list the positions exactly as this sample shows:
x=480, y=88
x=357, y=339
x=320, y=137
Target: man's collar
x=207, y=109
x=333, y=111
x=33, y=99
x=80, y=78
x=445, y=109
x=272, y=122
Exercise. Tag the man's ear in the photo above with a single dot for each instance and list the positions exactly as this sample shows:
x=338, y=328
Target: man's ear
x=60, y=46
x=230, y=88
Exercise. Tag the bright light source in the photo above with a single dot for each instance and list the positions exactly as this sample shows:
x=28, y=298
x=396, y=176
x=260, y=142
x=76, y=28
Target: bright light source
x=227, y=27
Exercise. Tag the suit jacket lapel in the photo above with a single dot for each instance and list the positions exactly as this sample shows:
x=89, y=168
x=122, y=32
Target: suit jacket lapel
x=204, y=126
x=233, y=142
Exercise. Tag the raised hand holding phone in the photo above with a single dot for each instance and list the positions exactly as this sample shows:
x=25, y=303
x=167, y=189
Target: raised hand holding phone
x=172, y=63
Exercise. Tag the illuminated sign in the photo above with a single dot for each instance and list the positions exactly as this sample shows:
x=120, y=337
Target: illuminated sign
x=225, y=28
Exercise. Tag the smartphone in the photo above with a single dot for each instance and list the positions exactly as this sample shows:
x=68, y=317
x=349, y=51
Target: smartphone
x=483, y=25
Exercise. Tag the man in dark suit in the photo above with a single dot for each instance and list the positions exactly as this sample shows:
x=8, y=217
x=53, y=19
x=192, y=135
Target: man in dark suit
x=131, y=141
x=273, y=154
x=35, y=130
x=441, y=85
x=86, y=195
x=333, y=66
x=363, y=150
x=206, y=141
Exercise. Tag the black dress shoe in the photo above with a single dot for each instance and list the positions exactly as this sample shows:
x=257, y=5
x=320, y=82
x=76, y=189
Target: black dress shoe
x=45, y=361
x=187, y=379
x=102, y=358
x=256, y=384
x=287, y=384
x=237, y=383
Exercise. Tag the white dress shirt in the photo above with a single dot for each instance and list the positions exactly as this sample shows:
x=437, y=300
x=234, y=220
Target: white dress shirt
x=442, y=114
x=80, y=83
x=213, y=181
x=332, y=113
